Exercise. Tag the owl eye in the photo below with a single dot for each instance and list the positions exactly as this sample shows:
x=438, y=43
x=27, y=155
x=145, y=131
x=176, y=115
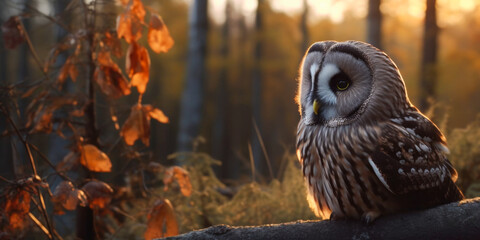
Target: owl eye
x=343, y=85
x=340, y=82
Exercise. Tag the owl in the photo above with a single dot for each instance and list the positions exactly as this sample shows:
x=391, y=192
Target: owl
x=365, y=150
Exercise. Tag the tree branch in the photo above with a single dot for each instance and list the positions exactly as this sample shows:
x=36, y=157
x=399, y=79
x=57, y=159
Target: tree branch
x=459, y=220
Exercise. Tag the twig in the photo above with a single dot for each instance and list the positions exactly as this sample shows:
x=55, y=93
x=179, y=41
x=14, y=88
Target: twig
x=39, y=209
x=52, y=19
x=45, y=159
x=40, y=225
x=264, y=150
x=251, y=161
x=6, y=180
x=32, y=49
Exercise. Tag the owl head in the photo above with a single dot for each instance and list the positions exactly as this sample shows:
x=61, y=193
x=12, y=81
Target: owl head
x=349, y=82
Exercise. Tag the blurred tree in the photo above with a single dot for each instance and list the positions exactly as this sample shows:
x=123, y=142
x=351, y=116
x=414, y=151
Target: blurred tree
x=257, y=77
x=58, y=145
x=304, y=28
x=220, y=143
x=5, y=141
x=428, y=72
x=374, y=23
x=191, y=107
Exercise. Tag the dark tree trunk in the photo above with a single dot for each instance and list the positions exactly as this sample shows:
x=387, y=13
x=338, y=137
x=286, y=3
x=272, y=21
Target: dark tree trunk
x=428, y=76
x=304, y=28
x=374, y=23
x=191, y=108
x=220, y=143
x=258, y=159
x=5, y=141
x=58, y=145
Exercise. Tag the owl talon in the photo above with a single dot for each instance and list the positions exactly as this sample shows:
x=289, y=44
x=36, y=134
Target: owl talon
x=369, y=217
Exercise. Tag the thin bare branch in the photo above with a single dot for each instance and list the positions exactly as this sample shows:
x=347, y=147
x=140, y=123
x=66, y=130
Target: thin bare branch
x=252, y=165
x=32, y=49
x=40, y=225
x=264, y=150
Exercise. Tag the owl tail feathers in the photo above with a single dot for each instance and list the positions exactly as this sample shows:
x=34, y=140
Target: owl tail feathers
x=319, y=207
x=453, y=193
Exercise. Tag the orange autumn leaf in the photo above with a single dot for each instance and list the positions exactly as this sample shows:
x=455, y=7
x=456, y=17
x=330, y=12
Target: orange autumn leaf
x=159, y=38
x=40, y=111
x=158, y=115
x=138, y=10
x=94, y=159
x=128, y=28
x=137, y=65
x=66, y=196
x=110, y=77
x=68, y=70
x=140, y=81
x=12, y=35
x=161, y=221
x=99, y=193
x=137, y=125
x=182, y=177
x=16, y=208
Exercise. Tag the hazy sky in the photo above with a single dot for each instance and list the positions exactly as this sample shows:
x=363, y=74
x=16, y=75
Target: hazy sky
x=450, y=11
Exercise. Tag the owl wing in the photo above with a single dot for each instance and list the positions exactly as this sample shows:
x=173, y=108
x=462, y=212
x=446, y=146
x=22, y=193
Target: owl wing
x=411, y=156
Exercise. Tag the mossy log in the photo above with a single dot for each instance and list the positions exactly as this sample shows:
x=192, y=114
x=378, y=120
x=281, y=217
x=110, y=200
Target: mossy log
x=460, y=220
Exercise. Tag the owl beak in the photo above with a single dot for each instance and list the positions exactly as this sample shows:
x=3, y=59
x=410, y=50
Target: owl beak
x=316, y=106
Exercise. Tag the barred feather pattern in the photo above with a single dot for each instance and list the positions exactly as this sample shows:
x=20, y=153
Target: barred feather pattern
x=339, y=165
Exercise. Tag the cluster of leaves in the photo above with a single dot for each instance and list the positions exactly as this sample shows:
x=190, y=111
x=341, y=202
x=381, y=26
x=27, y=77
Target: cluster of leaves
x=52, y=110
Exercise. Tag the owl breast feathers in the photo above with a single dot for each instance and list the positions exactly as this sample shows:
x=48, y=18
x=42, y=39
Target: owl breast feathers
x=365, y=149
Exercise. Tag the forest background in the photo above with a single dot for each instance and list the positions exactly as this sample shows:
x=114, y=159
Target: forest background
x=227, y=86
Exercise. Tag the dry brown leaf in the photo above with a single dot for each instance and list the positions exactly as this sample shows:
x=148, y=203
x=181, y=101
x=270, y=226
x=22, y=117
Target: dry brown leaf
x=94, y=159
x=137, y=126
x=69, y=161
x=182, y=177
x=159, y=38
x=158, y=115
x=140, y=81
x=99, y=193
x=110, y=77
x=161, y=221
x=128, y=28
x=12, y=36
x=111, y=81
x=138, y=66
x=40, y=111
x=138, y=10
x=16, y=209
x=68, y=69
x=41, y=119
x=66, y=196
